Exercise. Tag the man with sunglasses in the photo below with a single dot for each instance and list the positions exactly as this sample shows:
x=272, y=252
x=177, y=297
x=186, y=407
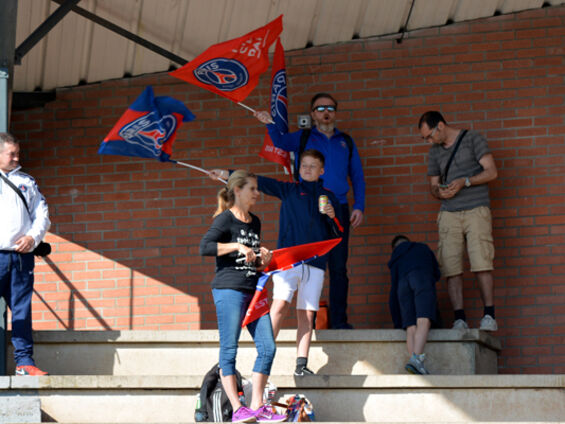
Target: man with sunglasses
x=460, y=166
x=342, y=161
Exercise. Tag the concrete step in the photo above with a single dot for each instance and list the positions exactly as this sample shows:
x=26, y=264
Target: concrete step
x=333, y=352
x=336, y=398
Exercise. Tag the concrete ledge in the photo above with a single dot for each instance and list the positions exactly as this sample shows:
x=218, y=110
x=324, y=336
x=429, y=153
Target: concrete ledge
x=333, y=352
x=171, y=399
x=165, y=382
x=285, y=336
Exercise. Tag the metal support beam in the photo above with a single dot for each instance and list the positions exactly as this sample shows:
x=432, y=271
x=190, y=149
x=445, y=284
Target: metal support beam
x=8, y=17
x=22, y=100
x=43, y=29
x=405, y=26
x=129, y=35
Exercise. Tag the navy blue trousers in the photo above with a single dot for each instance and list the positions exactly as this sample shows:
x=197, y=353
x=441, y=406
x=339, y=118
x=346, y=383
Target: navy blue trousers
x=339, y=283
x=16, y=286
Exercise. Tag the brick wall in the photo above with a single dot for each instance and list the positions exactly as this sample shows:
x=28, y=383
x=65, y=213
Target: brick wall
x=126, y=230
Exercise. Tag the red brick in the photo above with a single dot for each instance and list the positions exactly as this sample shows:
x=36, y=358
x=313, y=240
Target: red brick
x=144, y=219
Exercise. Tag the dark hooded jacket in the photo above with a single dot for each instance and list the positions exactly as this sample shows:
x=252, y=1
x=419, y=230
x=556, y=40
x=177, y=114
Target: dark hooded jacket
x=300, y=221
x=408, y=256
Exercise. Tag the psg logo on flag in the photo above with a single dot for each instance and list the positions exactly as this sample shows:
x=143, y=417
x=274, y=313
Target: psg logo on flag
x=149, y=132
x=224, y=74
x=279, y=99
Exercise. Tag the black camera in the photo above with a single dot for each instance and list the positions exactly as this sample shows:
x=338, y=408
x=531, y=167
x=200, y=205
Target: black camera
x=42, y=249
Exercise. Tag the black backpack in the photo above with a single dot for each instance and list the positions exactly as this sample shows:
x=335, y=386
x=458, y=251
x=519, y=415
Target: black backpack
x=304, y=139
x=213, y=404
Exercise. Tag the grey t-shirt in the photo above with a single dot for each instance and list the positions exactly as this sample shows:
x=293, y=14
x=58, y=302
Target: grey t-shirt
x=465, y=164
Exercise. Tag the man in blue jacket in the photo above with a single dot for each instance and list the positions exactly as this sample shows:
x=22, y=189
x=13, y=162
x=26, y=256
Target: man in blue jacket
x=302, y=220
x=414, y=272
x=342, y=162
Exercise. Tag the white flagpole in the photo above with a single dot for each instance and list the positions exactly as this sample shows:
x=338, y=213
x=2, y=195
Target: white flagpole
x=252, y=110
x=188, y=165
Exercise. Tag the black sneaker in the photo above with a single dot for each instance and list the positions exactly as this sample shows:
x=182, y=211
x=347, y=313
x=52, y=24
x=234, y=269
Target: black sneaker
x=343, y=326
x=301, y=372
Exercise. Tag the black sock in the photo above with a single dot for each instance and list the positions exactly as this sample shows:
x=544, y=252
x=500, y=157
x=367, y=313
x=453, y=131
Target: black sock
x=301, y=362
x=459, y=314
x=489, y=310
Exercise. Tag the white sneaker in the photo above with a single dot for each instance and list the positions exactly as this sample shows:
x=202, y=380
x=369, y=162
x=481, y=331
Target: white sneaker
x=416, y=365
x=459, y=324
x=488, y=323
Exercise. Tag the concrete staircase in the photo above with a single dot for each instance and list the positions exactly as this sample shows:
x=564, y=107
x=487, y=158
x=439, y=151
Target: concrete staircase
x=153, y=377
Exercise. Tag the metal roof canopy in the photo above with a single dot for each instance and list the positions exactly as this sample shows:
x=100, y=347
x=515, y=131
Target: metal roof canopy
x=77, y=51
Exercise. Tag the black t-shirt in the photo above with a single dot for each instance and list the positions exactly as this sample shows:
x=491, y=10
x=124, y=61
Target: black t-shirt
x=232, y=272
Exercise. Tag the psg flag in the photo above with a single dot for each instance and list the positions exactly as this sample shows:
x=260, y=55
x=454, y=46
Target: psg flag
x=232, y=68
x=279, y=110
x=283, y=259
x=148, y=128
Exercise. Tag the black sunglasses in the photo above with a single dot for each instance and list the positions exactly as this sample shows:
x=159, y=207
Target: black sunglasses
x=321, y=108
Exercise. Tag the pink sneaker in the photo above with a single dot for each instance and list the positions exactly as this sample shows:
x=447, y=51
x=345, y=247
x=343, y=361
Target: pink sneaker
x=243, y=415
x=267, y=414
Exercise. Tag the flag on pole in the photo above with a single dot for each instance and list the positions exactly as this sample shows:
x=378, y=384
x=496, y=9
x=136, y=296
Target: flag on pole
x=148, y=128
x=279, y=110
x=283, y=259
x=232, y=68
x=259, y=304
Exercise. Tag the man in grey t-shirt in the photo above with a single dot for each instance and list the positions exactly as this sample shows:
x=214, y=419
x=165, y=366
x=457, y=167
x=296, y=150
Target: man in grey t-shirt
x=464, y=217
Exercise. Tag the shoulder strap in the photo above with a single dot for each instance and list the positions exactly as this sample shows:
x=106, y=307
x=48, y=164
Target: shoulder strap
x=349, y=142
x=17, y=190
x=457, y=143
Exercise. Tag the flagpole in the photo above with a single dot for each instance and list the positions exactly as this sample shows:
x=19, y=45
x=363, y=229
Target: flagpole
x=188, y=165
x=254, y=111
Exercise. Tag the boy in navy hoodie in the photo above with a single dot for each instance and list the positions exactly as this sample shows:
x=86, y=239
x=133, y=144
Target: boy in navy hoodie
x=414, y=272
x=300, y=222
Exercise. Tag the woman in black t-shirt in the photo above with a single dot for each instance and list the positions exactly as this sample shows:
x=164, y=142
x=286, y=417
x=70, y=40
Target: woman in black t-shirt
x=234, y=239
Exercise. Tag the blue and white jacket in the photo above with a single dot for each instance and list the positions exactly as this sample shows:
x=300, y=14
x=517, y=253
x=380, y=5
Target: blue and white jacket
x=15, y=221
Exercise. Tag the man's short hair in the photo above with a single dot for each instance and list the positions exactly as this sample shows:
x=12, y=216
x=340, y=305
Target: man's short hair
x=313, y=153
x=432, y=118
x=400, y=238
x=7, y=138
x=322, y=96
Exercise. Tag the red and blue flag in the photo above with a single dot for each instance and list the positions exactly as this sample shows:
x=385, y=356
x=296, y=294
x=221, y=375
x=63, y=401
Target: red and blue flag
x=279, y=110
x=232, y=68
x=283, y=259
x=148, y=128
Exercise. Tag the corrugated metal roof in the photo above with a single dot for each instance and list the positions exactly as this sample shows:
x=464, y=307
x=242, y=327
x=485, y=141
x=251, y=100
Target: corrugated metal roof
x=79, y=51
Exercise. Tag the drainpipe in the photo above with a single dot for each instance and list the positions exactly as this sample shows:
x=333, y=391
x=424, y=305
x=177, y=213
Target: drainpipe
x=3, y=128
x=4, y=100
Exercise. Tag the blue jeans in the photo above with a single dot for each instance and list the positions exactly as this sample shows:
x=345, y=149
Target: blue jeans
x=16, y=286
x=339, y=283
x=231, y=306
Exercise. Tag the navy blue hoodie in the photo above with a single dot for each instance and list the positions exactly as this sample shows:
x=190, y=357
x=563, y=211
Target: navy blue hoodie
x=300, y=221
x=406, y=257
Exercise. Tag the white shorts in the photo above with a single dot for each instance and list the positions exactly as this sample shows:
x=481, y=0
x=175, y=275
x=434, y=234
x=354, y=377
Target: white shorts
x=309, y=281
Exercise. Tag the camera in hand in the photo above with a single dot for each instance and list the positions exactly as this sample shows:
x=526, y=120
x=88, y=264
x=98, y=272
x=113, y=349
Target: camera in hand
x=43, y=249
